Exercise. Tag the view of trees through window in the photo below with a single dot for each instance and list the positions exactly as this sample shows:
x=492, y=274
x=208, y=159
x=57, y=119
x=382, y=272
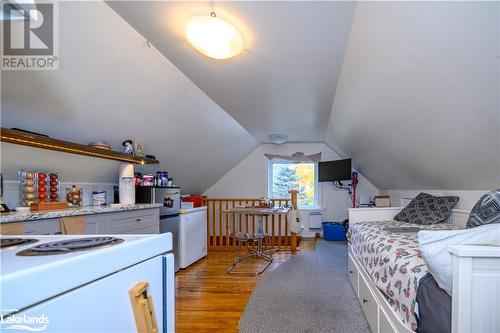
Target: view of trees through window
x=300, y=176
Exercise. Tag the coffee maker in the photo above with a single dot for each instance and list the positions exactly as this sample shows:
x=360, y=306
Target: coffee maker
x=126, y=184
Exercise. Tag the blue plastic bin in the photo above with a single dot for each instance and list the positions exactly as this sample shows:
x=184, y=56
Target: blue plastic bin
x=333, y=231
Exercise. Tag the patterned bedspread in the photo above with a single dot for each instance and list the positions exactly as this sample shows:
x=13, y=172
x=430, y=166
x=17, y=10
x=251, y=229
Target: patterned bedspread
x=393, y=262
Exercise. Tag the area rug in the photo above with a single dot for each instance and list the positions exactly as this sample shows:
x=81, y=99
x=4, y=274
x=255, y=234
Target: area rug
x=309, y=293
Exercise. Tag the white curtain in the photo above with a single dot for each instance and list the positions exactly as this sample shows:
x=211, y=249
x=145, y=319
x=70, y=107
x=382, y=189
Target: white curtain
x=297, y=157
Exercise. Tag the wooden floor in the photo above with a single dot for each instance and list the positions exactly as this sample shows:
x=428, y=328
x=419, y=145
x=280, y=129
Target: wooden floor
x=210, y=300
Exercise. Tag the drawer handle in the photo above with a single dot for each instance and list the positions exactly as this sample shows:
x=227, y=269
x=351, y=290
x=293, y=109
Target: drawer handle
x=365, y=300
x=138, y=220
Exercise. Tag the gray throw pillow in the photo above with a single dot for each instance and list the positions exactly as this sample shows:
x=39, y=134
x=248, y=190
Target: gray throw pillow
x=427, y=209
x=486, y=210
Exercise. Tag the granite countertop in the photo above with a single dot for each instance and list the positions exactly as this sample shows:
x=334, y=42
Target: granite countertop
x=86, y=210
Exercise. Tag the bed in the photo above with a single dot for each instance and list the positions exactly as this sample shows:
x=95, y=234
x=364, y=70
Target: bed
x=386, y=270
x=392, y=259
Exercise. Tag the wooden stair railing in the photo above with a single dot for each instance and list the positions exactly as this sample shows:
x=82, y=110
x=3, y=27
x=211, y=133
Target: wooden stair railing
x=220, y=224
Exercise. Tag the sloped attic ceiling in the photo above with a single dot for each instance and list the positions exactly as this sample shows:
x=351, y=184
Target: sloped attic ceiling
x=111, y=86
x=417, y=105
x=285, y=80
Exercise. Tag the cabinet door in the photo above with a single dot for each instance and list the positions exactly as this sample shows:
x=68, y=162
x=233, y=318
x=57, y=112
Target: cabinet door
x=13, y=228
x=43, y=227
x=95, y=224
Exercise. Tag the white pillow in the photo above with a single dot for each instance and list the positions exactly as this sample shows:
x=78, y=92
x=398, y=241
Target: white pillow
x=434, y=249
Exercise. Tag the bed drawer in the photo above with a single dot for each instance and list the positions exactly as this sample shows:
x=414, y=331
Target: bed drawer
x=369, y=305
x=384, y=324
x=353, y=274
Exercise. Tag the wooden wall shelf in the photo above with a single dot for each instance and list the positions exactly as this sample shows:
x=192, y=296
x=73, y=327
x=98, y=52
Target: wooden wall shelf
x=44, y=142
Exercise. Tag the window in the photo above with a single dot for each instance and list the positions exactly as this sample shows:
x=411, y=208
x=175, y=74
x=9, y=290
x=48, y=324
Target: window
x=286, y=175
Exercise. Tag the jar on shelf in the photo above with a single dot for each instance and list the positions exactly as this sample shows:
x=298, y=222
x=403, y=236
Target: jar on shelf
x=74, y=196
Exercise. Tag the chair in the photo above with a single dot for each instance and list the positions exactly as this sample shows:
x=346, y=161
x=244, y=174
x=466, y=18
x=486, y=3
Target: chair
x=260, y=253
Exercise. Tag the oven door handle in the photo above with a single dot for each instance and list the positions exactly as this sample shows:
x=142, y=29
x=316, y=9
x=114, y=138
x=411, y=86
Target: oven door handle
x=142, y=306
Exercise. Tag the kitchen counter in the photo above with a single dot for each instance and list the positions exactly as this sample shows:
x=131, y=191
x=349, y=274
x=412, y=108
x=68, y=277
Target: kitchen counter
x=87, y=210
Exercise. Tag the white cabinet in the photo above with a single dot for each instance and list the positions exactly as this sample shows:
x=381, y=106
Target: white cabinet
x=146, y=221
x=42, y=227
x=141, y=221
x=95, y=224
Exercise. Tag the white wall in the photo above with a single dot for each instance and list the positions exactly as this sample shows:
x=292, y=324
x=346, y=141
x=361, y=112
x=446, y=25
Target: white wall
x=467, y=198
x=92, y=174
x=111, y=86
x=248, y=179
x=417, y=104
x=291, y=63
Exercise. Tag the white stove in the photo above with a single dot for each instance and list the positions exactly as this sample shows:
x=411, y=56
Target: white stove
x=68, y=283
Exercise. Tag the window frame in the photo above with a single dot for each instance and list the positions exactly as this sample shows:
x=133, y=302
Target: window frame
x=270, y=164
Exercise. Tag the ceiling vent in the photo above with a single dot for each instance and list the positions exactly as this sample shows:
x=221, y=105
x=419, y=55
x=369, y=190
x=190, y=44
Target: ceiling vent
x=278, y=139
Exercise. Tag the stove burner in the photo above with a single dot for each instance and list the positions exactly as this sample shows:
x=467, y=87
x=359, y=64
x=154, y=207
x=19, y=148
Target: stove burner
x=70, y=245
x=8, y=242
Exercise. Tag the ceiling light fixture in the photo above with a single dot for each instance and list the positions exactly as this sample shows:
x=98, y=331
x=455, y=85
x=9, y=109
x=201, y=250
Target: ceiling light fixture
x=213, y=36
x=278, y=139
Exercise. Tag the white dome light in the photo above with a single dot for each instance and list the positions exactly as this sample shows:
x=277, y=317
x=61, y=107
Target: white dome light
x=278, y=138
x=214, y=37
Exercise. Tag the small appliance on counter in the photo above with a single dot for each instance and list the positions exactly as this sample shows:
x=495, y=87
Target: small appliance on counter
x=126, y=184
x=170, y=198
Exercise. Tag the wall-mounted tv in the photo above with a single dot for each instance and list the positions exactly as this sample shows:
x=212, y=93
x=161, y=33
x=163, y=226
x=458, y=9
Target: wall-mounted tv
x=332, y=171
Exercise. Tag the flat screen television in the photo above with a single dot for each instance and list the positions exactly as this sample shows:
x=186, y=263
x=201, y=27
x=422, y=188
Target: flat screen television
x=332, y=171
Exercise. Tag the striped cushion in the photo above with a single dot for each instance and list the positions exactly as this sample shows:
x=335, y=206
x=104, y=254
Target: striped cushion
x=486, y=210
x=427, y=209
